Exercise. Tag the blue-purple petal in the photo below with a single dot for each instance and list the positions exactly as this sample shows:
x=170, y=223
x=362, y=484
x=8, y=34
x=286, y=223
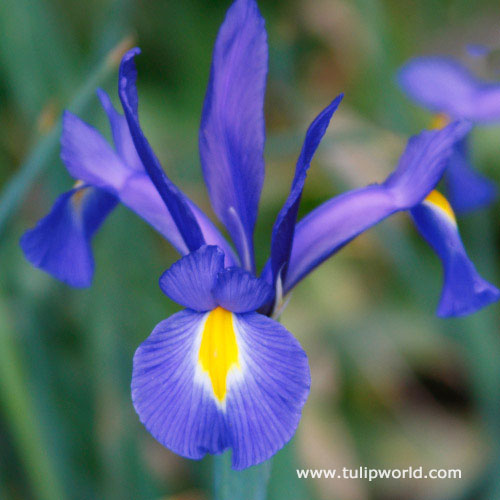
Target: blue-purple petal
x=443, y=85
x=239, y=291
x=60, y=243
x=122, y=139
x=190, y=280
x=464, y=290
x=477, y=50
x=284, y=227
x=335, y=223
x=264, y=399
x=181, y=414
x=173, y=198
x=88, y=157
x=232, y=131
x=91, y=159
x=264, y=410
x=467, y=189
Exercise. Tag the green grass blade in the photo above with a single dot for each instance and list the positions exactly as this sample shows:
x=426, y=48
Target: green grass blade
x=18, y=408
x=46, y=148
x=37, y=53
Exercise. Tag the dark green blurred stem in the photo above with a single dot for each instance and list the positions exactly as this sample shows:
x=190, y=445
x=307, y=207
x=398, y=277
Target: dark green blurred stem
x=43, y=152
x=20, y=415
x=248, y=484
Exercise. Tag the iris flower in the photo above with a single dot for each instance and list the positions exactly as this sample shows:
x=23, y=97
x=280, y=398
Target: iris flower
x=447, y=88
x=223, y=373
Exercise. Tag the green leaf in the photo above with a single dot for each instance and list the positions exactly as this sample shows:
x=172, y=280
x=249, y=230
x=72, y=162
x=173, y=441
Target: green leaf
x=43, y=152
x=18, y=408
x=37, y=53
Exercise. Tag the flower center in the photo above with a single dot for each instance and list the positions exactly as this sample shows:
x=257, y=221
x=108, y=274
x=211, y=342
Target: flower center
x=218, y=349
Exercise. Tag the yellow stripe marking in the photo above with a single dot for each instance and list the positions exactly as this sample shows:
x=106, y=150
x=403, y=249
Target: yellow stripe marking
x=439, y=121
x=438, y=200
x=78, y=197
x=218, y=350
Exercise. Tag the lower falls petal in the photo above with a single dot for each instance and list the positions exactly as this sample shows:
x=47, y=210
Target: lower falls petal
x=464, y=290
x=60, y=243
x=206, y=382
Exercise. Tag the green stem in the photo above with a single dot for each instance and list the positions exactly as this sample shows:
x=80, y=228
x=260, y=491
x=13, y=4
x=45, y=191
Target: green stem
x=248, y=484
x=20, y=414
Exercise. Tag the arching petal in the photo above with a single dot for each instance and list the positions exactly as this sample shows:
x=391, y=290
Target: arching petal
x=203, y=383
x=468, y=189
x=88, y=157
x=174, y=200
x=464, y=291
x=190, y=280
x=60, y=243
x=239, y=291
x=178, y=410
x=332, y=225
x=264, y=409
x=441, y=84
x=200, y=282
x=284, y=227
x=232, y=131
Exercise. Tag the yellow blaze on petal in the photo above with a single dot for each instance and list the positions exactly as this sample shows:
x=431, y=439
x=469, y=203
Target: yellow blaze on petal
x=218, y=349
x=438, y=200
x=78, y=197
x=439, y=121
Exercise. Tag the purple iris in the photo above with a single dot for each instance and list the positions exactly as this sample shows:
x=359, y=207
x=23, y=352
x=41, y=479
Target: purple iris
x=223, y=373
x=478, y=50
x=446, y=87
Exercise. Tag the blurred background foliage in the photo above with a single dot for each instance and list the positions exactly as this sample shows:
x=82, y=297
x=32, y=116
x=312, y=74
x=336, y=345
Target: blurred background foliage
x=393, y=386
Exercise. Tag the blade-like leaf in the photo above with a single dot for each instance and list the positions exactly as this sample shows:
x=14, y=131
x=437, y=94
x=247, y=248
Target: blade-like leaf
x=43, y=152
x=19, y=412
x=37, y=53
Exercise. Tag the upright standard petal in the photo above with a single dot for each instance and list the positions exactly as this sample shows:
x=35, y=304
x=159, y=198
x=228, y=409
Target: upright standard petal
x=232, y=131
x=124, y=144
x=139, y=191
x=441, y=84
x=284, y=227
x=464, y=291
x=468, y=190
x=190, y=280
x=174, y=200
x=203, y=383
x=332, y=225
x=60, y=244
